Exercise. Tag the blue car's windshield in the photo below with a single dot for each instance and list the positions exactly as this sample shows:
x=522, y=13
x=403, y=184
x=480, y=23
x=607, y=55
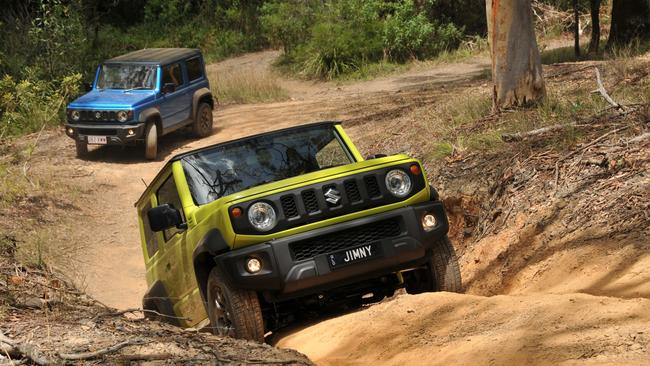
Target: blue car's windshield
x=127, y=76
x=232, y=167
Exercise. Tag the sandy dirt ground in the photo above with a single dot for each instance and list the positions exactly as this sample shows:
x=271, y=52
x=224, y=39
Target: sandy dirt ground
x=576, y=304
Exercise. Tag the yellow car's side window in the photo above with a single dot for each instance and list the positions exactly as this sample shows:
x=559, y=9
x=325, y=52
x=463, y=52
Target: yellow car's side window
x=167, y=193
x=149, y=236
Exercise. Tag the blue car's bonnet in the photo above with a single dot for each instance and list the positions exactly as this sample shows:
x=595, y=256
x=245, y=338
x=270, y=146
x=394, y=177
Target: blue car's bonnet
x=112, y=99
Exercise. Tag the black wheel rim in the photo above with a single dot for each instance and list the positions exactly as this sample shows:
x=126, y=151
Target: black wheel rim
x=222, y=324
x=206, y=121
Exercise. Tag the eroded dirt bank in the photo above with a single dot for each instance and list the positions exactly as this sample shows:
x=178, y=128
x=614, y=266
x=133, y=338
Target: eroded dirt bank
x=453, y=329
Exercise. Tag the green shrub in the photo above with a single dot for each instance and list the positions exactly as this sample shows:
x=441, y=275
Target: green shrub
x=166, y=12
x=346, y=35
x=29, y=104
x=407, y=33
x=287, y=23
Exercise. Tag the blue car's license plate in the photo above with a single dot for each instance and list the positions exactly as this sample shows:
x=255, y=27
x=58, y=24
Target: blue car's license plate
x=354, y=255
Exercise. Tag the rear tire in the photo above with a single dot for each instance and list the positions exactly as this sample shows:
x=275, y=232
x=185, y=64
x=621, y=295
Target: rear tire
x=202, y=126
x=233, y=312
x=442, y=273
x=151, y=141
x=82, y=149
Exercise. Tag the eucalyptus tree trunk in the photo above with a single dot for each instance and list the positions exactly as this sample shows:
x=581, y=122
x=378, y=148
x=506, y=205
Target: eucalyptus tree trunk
x=594, y=44
x=630, y=20
x=516, y=64
x=576, y=28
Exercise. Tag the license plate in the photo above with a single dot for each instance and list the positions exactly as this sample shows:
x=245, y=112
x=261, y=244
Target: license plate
x=354, y=255
x=100, y=140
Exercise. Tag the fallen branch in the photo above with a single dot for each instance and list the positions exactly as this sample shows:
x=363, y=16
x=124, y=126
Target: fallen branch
x=565, y=72
x=601, y=89
x=100, y=352
x=138, y=310
x=26, y=350
x=510, y=137
x=639, y=138
x=147, y=357
x=593, y=142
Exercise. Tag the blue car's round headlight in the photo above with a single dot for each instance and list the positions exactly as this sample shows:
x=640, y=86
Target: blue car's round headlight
x=122, y=116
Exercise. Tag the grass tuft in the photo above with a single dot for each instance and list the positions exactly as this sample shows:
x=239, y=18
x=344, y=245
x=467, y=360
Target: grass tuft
x=240, y=86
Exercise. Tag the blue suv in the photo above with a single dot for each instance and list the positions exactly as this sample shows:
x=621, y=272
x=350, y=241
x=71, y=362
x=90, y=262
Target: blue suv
x=141, y=96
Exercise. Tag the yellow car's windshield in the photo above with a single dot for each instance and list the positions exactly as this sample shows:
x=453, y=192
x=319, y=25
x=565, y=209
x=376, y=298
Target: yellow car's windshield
x=229, y=168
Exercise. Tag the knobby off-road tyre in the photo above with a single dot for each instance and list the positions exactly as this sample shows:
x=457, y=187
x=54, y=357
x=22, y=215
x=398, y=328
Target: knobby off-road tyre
x=202, y=126
x=444, y=267
x=442, y=273
x=82, y=149
x=233, y=312
x=151, y=141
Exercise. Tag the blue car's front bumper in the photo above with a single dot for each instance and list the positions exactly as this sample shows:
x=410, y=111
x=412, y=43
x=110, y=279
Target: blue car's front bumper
x=121, y=134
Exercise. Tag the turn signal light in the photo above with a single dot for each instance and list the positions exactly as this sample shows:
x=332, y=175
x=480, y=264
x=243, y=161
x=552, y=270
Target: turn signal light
x=415, y=169
x=236, y=212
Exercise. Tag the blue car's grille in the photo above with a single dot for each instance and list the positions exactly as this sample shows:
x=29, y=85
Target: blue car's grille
x=98, y=116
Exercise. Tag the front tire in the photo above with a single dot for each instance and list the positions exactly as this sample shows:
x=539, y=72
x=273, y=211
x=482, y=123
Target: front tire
x=233, y=312
x=81, y=148
x=151, y=141
x=202, y=126
x=441, y=273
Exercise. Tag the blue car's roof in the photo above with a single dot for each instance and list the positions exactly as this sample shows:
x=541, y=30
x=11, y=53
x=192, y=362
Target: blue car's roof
x=156, y=55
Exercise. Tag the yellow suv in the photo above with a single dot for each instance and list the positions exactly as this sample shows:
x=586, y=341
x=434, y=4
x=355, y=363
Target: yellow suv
x=251, y=234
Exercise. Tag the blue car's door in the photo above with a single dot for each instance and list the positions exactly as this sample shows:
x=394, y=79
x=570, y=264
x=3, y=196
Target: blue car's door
x=176, y=105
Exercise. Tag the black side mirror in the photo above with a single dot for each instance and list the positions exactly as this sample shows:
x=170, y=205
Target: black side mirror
x=164, y=217
x=169, y=88
x=88, y=87
x=375, y=156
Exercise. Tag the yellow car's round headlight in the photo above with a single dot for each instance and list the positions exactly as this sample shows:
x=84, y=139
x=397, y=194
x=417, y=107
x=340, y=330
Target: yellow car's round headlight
x=262, y=216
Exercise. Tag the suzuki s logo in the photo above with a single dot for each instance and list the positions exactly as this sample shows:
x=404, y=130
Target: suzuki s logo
x=332, y=196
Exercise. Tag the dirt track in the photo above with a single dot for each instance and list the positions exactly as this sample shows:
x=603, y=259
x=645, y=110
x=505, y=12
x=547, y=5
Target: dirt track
x=539, y=319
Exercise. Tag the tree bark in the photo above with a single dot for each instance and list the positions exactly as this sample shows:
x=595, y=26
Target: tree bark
x=516, y=63
x=594, y=43
x=576, y=28
x=630, y=20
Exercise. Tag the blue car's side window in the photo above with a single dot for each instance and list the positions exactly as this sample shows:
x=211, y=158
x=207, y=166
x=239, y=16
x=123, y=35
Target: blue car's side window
x=172, y=74
x=194, y=69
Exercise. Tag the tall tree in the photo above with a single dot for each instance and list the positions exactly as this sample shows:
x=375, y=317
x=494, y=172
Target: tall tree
x=630, y=19
x=576, y=28
x=516, y=63
x=594, y=43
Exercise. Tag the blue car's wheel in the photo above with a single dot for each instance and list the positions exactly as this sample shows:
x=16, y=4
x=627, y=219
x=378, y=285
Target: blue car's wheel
x=202, y=126
x=151, y=141
x=82, y=149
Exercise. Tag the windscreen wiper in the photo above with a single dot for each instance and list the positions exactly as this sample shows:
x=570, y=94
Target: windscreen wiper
x=136, y=88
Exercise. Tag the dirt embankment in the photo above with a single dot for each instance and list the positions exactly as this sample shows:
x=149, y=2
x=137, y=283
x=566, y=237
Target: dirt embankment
x=552, y=243
x=47, y=321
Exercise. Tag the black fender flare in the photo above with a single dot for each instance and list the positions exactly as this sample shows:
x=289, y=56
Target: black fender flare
x=156, y=299
x=149, y=114
x=199, y=95
x=209, y=246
